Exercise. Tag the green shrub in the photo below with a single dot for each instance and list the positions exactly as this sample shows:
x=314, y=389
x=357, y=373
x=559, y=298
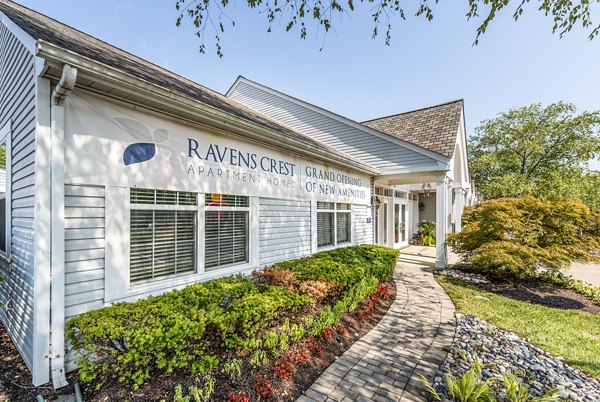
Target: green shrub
x=427, y=232
x=470, y=387
x=130, y=342
x=520, y=235
x=557, y=278
x=345, y=266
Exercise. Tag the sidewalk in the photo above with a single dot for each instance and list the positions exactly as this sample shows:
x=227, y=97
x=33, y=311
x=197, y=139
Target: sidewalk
x=412, y=338
x=589, y=273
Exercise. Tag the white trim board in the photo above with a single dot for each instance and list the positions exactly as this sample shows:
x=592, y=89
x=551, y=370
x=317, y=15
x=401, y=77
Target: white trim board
x=27, y=40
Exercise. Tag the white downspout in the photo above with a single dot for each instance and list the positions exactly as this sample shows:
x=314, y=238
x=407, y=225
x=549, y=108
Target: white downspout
x=57, y=284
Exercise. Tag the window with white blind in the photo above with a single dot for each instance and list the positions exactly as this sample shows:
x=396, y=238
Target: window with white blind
x=162, y=233
x=226, y=230
x=334, y=223
x=343, y=223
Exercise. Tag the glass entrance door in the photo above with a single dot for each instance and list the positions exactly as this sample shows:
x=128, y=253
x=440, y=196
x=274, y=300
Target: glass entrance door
x=403, y=226
x=400, y=224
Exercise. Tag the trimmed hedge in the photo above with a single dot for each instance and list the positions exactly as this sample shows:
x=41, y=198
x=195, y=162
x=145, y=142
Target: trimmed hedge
x=195, y=328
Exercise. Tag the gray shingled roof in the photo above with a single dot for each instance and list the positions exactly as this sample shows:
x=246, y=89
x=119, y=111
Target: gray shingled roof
x=41, y=27
x=434, y=128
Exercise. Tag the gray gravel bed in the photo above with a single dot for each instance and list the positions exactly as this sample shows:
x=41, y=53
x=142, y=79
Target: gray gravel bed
x=501, y=351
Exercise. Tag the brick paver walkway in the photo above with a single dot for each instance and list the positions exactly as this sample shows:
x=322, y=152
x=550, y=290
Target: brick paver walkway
x=412, y=338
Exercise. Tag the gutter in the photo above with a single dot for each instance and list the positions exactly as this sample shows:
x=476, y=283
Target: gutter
x=57, y=239
x=206, y=114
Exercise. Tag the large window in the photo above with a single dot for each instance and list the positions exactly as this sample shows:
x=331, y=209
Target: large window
x=226, y=230
x=334, y=224
x=163, y=233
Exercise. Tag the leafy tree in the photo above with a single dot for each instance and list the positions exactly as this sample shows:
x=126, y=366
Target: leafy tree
x=320, y=14
x=521, y=235
x=537, y=151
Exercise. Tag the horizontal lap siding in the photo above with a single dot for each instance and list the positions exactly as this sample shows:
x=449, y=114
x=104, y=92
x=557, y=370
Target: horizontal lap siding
x=84, y=252
x=17, y=104
x=427, y=211
x=363, y=230
x=284, y=228
x=374, y=150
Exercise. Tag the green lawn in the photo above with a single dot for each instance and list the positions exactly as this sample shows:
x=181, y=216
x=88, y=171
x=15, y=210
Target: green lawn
x=571, y=334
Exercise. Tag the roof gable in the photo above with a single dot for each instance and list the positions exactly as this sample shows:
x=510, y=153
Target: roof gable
x=349, y=136
x=435, y=128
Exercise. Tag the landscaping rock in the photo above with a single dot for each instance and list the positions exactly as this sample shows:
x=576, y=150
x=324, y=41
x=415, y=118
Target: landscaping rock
x=465, y=276
x=501, y=352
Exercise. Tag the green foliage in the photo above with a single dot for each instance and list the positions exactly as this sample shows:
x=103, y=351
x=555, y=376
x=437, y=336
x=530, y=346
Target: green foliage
x=516, y=392
x=233, y=368
x=427, y=231
x=568, y=282
x=3, y=156
x=345, y=267
x=196, y=394
x=542, y=152
x=568, y=333
x=470, y=387
x=322, y=16
x=130, y=342
x=520, y=235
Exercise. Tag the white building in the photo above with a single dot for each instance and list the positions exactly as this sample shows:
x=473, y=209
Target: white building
x=125, y=180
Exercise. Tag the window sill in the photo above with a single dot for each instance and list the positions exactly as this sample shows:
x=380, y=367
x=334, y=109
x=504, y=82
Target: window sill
x=340, y=245
x=155, y=288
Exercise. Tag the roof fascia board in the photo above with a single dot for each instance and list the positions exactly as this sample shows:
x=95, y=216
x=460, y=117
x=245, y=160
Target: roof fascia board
x=461, y=144
x=341, y=119
x=414, y=169
x=463, y=139
x=207, y=114
x=27, y=40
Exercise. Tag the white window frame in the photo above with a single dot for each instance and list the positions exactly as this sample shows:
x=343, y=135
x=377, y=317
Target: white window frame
x=335, y=212
x=165, y=207
x=117, y=216
x=221, y=208
x=6, y=138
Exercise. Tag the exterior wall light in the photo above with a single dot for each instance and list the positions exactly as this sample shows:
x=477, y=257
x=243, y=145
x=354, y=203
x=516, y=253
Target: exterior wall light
x=426, y=187
x=376, y=202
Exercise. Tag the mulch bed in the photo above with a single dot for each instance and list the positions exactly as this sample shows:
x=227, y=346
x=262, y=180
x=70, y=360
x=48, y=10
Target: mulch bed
x=536, y=291
x=322, y=351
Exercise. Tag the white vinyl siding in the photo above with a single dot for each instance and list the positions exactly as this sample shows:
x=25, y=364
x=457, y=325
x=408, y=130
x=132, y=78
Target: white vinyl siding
x=17, y=104
x=374, y=150
x=84, y=253
x=284, y=230
x=84, y=249
x=427, y=207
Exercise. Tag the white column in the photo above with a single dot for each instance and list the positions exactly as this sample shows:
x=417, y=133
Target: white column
x=458, y=211
x=57, y=195
x=42, y=224
x=441, y=220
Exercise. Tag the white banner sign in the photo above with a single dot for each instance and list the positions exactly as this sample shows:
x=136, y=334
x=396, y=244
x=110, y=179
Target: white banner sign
x=110, y=144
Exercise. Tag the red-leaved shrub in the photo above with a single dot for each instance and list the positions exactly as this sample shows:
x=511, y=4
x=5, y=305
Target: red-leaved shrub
x=263, y=387
x=239, y=397
x=283, y=368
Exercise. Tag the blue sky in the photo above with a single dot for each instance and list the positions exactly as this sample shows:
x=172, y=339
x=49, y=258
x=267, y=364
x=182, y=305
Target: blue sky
x=515, y=64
